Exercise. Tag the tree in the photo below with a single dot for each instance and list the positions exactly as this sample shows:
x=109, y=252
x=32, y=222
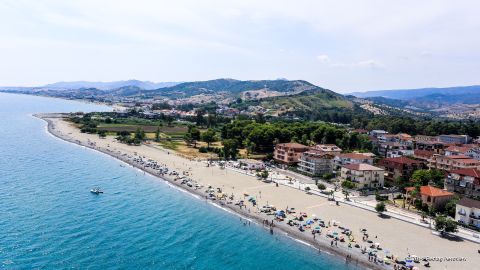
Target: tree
x=423, y=177
x=348, y=184
x=424, y=215
x=139, y=134
x=321, y=186
x=187, y=137
x=443, y=224
x=230, y=149
x=380, y=208
x=346, y=193
x=194, y=134
x=209, y=136
x=450, y=206
x=157, y=134
x=200, y=120
x=102, y=133
x=327, y=176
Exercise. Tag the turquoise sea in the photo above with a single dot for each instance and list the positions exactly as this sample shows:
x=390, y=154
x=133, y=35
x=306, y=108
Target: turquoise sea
x=50, y=220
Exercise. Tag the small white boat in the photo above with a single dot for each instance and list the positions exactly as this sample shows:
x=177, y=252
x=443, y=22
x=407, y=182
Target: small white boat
x=96, y=191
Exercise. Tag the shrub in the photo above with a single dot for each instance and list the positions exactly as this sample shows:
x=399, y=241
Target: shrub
x=380, y=208
x=321, y=186
x=327, y=176
x=348, y=184
x=203, y=149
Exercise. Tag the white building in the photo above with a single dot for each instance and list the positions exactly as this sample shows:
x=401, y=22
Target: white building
x=468, y=212
x=316, y=162
x=251, y=164
x=364, y=175
x=352, y=158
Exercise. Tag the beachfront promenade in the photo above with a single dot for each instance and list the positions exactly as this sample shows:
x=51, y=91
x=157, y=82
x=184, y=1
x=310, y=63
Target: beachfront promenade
x=302, y=181
x=392, y=232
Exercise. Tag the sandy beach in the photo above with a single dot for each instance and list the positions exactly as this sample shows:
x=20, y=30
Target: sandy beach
x=397, y=237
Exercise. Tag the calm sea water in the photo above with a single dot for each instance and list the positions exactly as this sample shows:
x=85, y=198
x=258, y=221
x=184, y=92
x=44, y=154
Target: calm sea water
x=49, y=219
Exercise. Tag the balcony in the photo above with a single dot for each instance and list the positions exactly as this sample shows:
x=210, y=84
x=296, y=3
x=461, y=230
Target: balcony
x=474, y=217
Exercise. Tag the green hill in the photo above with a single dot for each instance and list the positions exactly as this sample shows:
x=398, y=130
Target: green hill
x=230, y=87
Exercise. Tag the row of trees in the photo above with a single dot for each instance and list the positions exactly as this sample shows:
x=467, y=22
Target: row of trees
x=261, y=137
x=396, y=124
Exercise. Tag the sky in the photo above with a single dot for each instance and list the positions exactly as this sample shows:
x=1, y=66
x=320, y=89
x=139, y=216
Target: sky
x=342, y=45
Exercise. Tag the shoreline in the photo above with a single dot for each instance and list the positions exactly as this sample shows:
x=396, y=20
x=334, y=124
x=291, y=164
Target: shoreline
x=321, y=243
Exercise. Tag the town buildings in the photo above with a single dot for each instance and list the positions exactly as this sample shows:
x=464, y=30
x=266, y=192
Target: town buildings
x=316, y=162
x=328, y=148
x=352, y=158
x=464, y=181
x=289, y=153
x=431, y=196
x=400, y=167
x=454, y=162
x=467, y=212
x=363, y=175
x=460, y=139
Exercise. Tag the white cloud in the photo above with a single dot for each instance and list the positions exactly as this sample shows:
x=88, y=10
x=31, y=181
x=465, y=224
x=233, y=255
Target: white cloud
x=323, y=58
x=245, y=39
x=364, y=64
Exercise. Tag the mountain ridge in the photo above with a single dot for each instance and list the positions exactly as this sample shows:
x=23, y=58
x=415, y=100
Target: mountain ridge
x=405, y=94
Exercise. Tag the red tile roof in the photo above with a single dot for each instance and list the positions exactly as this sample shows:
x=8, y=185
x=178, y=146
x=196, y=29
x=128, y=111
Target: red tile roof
x=402, y=160
x=423, y=153
x=468, y=172
x=457, y=157
x=431, y=191
x=460, y=149
x=355, y=156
